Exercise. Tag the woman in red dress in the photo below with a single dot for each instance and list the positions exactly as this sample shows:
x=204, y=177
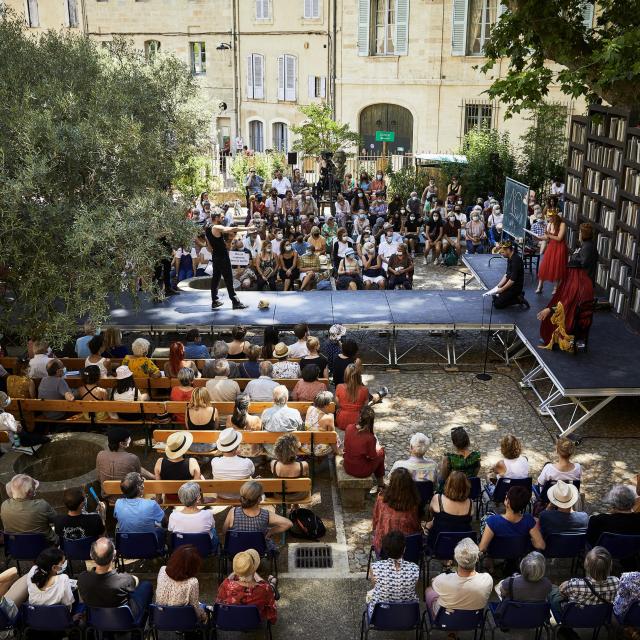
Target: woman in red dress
x=553, y=263
x=351, y=396
x=363, y=456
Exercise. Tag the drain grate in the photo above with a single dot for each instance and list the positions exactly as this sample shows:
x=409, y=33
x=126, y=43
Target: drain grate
x=316, y=557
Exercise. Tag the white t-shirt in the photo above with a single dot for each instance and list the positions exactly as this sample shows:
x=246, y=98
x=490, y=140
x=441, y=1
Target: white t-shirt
x=201, y=522
x=549, y=472
x=518, y=468
x=205, y=255
x=462, y=593
x=495, y=219
x=181, y=252
x=298, y=350
x=232, y=468
x=8, y=422
x=58, y=593
x=275, y=246
x=386, y=250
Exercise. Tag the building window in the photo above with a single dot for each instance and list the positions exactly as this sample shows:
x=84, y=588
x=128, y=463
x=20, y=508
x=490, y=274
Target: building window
x=72, y=12
x=384, y=27
x=311, y=9
x=33, y=17
x=280, y=136
x=477, y=116
x=317, y=87
x=151, y=49
x=481, y=18
x=287, y=78
x=255, y=76
x=263, y=9
x=256, y=135
x=198, y=58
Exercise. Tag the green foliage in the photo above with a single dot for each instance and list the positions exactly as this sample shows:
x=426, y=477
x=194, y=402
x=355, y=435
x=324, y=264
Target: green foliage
x=193, y=176
x=406, y=180
x=544, y=146
x=265, y=165
x=90, y=143
x=320, y=132
x=599, y=63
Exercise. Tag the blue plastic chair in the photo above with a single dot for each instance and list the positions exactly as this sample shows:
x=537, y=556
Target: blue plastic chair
x=78, y=549
x=541, y=492
x=413, y=552
x=504, y=484
x=237, y=541
x=509, y=547
x=476, y=493
x=138, y=546
x=103, y=620
x=632, y=617
x=455, y=620
x=233, y=617
x=592, y=616
x=392, y=616
x=23, y=546
x=566, y=545
x=620, y=546
x=201, y=541
x=512, y=614
x=7, y=623
x=175, y=620
x=444, y=546
x=425, y=489
x=55, y=617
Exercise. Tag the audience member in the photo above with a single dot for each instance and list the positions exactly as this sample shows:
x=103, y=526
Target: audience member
x=178, y=585
x=140, y=364
x=95, y=356
x=242, y=420
x=201, y=415
x=319, y=418
x=299, y=349
x=463, y=458
x=250, y=368
x=280, y=417
x=19, y=384
x=348, y=355
x=221, y=388
x=394, y=579
x=177, y=361
x=530, y=585
x=514, y=464
x=112, y=346
x=363, y=456
x=420, y=467
x=191, y=518
x=54, y=387
x=332, y=347
x=452, y=510
x=270, y=339
x=194, y=349
x=38, y=365
x=400, y=269
x=8, y=423
x=82, y=348
x=261, y=389
x=238, y=348
x=47, y=584
x=91, y=391
x=628, y=593
x=22, y=512
x=315, y=357
x=559, y=516
x=126, y=391
x=309, y=386
x=563, y=469
x=136, y=514
x=621, y=519
x=230, y=466
x=182, y=392
x=284, y=368
x=285, y=463
x=174, y=465
x=77, y=522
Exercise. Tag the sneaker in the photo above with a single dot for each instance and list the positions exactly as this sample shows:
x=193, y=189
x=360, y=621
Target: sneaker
x=374, y=490
x=238, y=305
x=216, y=304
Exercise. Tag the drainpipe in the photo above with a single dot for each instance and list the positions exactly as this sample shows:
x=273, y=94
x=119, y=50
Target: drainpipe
x=235, y=43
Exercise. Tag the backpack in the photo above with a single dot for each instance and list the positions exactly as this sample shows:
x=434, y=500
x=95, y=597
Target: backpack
x=306, y=524
x=451, y=257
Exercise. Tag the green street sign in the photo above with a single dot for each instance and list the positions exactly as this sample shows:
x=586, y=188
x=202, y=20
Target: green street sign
x=385, y=136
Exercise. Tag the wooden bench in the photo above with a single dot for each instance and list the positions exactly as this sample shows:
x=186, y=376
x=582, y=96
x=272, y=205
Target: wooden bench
x=76, y=364
x=352, y=490
x=280, y=488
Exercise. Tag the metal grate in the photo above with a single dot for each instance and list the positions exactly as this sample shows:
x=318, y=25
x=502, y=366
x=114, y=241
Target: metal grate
x=316, y=557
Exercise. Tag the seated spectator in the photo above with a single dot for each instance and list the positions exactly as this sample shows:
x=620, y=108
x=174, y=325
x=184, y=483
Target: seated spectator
x=559, y=516
x=220, y=387
x=191, y=518
x=177, y=584
x=115, y=463
x=475, y=232
x=261, y=389
x=373, y=274
x=530, y=585
x=22, y=512
x=95, y=356
x=82, y=348
x=285, y=464
x=400, y=269
x=201, y=415
x=174, y=465
x=270, y=339
x=348, y=355
x=183, y=392
x=91, y=391
x=38, y=365
x=105, y=587
x=299, y=349
x=251, y=368
x=621, y=518
x=466, y=589
x=19, y=384
x=245, y=587
x=349, y=272
x=352, y=395
x=238, y=348
x=319, y=418
x=362, y=454
x=284, y=368
x=231, y=466
x=628, y=593
x=281, y=417
x=8, y=423
x=452, y=510
x=563, y=469
x=250, y=516
x=220, y=351
x=265, y=265
x=463, y=458
x=309, y=268
x=126, y=391
x=514, y=522
x=134, y=513
x=394, y=579
x=47, y=584
x=54, y=387
x=194, y=349
x=397, y=508
x=513, y=465
x=177, y=361
x=420, y=467
x=597, y=586
x=315, y=357
x=112, y=346
x=309, y=387
x=140, y=364
x=78, y=523
x=242, y=420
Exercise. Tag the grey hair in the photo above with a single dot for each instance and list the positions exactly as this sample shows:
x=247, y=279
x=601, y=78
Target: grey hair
x=221, y=368
x=532, y=566
x=189, y=493
x=280, y=394
x=140, y=347
x=186, y=376
x=219, y=349
x=323, y=399
x=419, y=444
x=597, y=564
x=466, y=554
x=266, y=368
x=21, y=487
x=621, y=497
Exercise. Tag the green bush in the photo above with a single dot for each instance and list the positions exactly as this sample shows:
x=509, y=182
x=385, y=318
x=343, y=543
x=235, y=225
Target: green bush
x=265, y=165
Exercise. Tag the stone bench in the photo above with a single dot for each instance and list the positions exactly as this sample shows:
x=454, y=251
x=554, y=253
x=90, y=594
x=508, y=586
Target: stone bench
x=352, y=490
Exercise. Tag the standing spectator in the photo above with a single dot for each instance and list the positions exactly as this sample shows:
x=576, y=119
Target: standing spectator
x=280, y=183
x=140, y=364
x=351, y=396
x=430, y=190
x=420, y=467
x=82, y=349
x=299, y=349
x=261, y=389
x=221, y=388
x=284, y=368
x=77, y=523
x=194, y=349
x=177, y=361
x=363, y=456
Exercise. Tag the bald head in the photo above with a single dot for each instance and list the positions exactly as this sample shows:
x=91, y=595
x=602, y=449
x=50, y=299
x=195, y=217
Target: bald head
x=103, y=552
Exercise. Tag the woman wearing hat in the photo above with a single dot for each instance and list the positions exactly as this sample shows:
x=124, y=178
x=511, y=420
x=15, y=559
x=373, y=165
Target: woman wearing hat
x=349, y=276
x=245, y=587
x=174, y=466
x=126, y=391
x=7, y=422
x=284, y=368
x=559, y=516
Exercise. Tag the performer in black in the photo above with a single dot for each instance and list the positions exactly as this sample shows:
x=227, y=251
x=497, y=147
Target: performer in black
x=510, y=288
x=220, y=260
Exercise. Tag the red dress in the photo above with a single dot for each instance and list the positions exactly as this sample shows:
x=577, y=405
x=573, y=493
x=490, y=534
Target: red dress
x=348, y=410
x=361, y=455
x=553, y=263
x=386, y=519
x=261, y=595
x=179, y=395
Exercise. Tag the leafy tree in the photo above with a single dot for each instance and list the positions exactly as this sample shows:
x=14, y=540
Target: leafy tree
x=320, y=132
x=544, y=146
x=600, y=62
x=90, y=142
x=193, y=176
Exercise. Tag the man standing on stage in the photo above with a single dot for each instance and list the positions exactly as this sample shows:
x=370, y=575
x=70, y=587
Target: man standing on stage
x=510, y=289
x=220, y=261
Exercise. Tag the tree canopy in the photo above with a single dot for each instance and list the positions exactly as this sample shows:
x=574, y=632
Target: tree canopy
x=320, y=132
x=599, y=58
x=92, y=138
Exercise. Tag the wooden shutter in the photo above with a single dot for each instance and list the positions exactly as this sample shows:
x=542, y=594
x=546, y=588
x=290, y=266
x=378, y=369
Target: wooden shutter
x=72, y=13
x=290, y=78
x=402, y=28
x=250, y=82
x=281, y=78
x=587, y=15
x=33, y=17
x=312, y=86
x=323, y=87
x=459, y=28
x=364, y=25
x=258, y=76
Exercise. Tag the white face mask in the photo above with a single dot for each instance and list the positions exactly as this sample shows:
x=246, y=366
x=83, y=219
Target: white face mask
x=379, y=176
x=475, y=218
x=63, y=567
x=279, y=236
x=452, y=218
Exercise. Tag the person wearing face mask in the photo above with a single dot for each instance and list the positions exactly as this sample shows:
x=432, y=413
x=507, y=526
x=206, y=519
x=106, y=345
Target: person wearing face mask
x=288, y=265
x=363, y=239
x=433, y=231
x=276, y=240
x=309, y=267
x=343, y=210
x=300, y=245
x=378, y=183
x=77, y=522
x=451, y=235
x=536, y=239
x=410, y=230
x=454, y=189
x=360, y=201
x=372, y=272
x=47, y=584
x=273, y=203
x=400, y=269
x=329, y=230
x=341, y=244
x=495, y=223
x=429, y=191
x=413, y=204
x=265, y=265
x=348, y=186
x=349, y=272
x=388, y=245
x=360, y=223
x=364, y=183
x=475, y=232
x=252, y=243
x=289, y=204
x=318, y=242
x=308, y=205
